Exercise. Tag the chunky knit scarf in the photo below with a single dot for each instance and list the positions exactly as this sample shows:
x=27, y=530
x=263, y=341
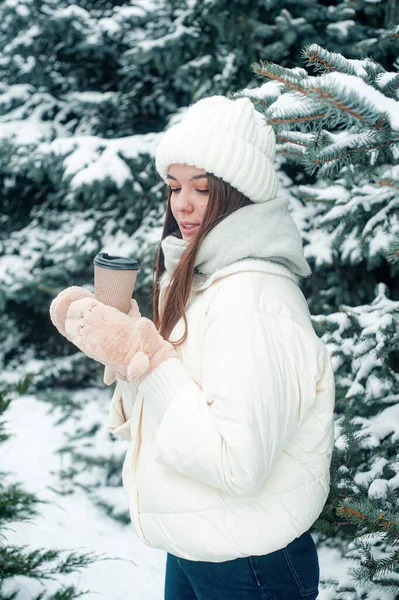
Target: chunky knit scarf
x=259, y=231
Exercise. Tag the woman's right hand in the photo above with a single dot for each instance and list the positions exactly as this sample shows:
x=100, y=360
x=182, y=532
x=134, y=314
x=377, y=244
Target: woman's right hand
x=110, y=374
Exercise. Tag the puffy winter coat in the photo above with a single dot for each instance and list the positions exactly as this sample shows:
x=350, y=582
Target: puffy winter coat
x=230, y=444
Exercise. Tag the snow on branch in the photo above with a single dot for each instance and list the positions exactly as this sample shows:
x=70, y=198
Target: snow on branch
x=356, y=98
x=321, y=59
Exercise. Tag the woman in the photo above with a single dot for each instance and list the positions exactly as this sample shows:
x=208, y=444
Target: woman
x=227, y=398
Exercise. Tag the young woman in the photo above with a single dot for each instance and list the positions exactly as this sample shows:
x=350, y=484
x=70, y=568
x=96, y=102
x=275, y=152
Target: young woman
x=227, y=397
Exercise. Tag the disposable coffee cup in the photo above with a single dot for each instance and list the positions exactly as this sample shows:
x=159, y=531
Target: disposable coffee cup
x=114, y=280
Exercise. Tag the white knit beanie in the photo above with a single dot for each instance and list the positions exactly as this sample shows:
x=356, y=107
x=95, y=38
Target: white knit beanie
x=228, y=138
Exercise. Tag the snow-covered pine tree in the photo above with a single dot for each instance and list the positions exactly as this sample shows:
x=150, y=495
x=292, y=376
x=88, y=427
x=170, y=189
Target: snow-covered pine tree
x=342, y=124
x=17, y=505
x=353, y=28
x=85, y=90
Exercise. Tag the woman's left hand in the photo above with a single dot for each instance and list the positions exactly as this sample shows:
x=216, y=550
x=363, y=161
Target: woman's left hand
x=130, y=345
x=61, y=303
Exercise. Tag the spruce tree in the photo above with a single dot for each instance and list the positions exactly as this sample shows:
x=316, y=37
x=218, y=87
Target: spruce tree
x=85, y=90
x=340, y=124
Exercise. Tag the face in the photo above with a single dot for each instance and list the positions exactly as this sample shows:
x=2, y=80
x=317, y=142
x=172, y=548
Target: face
x=189, y=198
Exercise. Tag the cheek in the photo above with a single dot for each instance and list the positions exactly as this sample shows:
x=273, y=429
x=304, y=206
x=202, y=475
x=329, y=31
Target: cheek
x=173, y=207
x=204, y=204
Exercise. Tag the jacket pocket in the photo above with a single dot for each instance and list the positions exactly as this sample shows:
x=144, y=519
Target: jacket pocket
x=303, y=563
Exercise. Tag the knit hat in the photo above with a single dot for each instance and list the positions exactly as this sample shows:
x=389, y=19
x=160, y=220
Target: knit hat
x=228, y=138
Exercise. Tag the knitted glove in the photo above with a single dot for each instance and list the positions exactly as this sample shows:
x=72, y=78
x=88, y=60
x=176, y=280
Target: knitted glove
x=58, y=311
x=132, y=346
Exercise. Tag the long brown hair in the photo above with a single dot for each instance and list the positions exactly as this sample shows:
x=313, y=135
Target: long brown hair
x=224, y=199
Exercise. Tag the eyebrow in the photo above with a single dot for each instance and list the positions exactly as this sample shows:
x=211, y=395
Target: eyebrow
x=169, y=176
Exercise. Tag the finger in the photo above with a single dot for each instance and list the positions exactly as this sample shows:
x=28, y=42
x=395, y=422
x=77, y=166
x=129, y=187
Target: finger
x=60, y=305
x=134, y=309
x=148, y=335
x=109, y=375
x=78, y=308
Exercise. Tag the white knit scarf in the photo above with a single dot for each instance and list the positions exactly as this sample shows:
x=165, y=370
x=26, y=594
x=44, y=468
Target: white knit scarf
x=264, y=231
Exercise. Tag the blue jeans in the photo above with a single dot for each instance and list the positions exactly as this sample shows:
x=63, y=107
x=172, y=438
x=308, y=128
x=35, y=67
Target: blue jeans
x=291, y=573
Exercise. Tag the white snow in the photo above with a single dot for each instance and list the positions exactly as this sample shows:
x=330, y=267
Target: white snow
x=384, y=78
x=25, y=38
x=75, y=237
x=269, y=88
x=384, y=424
x=377, y=100
x=71, y=521
x=108, y=166
x=91, y=158
x=72, y=12
x=109, y=25
x=377, y=468
x=341, y=27
x=350, y=247
x=319, y=246
x=20, y=92
x=90, y=97
x=27, y=132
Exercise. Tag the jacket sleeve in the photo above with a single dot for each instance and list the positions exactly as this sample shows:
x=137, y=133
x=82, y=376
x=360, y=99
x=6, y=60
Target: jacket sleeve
x=230, y=433
x=121, y=408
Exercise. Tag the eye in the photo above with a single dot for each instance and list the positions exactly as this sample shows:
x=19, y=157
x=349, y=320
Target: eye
x=175, y=189
x=203, y=191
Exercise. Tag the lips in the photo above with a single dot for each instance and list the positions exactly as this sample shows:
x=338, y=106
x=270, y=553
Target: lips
x=189, y=227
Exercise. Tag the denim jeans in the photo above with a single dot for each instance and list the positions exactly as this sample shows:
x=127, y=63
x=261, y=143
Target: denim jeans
x=291, y=573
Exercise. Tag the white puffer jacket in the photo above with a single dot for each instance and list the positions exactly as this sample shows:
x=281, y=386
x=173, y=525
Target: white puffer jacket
x=230, y=445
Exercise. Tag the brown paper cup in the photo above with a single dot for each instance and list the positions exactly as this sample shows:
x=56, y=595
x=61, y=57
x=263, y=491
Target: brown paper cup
x=114, y=280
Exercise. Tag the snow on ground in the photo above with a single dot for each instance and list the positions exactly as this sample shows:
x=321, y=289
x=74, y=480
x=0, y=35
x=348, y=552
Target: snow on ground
x=72, y=521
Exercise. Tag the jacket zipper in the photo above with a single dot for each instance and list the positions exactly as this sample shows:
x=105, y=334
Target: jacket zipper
x=139, y=527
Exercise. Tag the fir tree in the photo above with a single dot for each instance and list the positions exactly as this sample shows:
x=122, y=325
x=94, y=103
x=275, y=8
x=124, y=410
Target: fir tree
x=342, y=126
x=85, y=90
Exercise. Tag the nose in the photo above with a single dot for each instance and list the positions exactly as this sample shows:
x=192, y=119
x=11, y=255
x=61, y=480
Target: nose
x=183, y=202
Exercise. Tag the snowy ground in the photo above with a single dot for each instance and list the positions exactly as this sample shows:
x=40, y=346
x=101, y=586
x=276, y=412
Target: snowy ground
x=72, y=522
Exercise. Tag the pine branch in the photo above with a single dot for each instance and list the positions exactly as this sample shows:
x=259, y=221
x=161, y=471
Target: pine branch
x=16, y=504
x=295, y=109
x=341, y=93
x=290, y=78
x=391, y=87
x=290, y=151
x=353, y=149
x=40, y=564
x=392, y=183
x=393, y=250
x=323, y=60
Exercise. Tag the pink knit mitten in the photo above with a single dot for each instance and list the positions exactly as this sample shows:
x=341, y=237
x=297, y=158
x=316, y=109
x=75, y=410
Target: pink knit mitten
x=131, y=346
x=61, y=303
x=58, y=311
x=109, y=373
